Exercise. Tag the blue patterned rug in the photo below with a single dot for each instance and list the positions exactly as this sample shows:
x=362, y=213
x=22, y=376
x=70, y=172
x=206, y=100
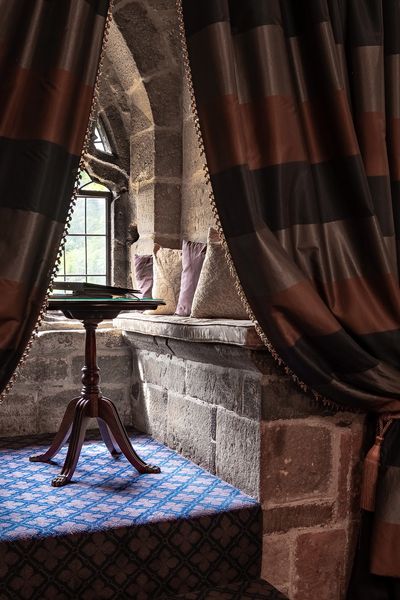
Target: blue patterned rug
x=115, y=534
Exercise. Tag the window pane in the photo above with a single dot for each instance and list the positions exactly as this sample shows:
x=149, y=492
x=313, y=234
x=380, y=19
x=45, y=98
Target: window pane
x=93, y=186
x=96, y=215
x=100, y=280
x=75, y=255
x=100, y=139
x=75, y=278
x=78, y=218
x=86, y=183
x=84, y=178
x=96, y=255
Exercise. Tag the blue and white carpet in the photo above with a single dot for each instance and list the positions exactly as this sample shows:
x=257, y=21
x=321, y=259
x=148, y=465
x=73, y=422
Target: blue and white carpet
x=115, y=534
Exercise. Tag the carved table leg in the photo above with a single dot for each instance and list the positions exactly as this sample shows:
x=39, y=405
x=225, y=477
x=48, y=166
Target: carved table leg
x=61, y=436
x=81, y=419
x=108, y=439
x=91, y=403
x=109, y=414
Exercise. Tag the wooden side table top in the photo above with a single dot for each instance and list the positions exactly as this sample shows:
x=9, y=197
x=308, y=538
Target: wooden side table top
x=75, y=307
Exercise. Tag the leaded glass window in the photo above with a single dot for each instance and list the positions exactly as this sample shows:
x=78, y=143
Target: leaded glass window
x=100, y=139
x=86, y=255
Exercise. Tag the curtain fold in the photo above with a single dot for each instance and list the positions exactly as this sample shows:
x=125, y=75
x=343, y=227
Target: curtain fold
x=299, y=108
x=49, y=56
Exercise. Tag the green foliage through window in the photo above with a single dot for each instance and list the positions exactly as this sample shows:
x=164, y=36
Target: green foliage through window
x=85, y=256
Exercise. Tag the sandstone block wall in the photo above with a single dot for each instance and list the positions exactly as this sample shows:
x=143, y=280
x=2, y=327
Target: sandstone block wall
x=310, y=477
x=154, y=104
x=195, y=399
x=233, y=412
x=196, y=210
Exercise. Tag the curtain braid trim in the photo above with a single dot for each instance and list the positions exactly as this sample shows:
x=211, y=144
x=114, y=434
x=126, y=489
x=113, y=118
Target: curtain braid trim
x=316, y=396
x=81, y=167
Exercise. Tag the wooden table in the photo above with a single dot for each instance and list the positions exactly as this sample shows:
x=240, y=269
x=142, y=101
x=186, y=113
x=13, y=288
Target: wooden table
x=91, y=402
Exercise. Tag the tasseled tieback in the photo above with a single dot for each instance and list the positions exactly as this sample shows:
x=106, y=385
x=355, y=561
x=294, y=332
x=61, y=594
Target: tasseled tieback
x=372, y=463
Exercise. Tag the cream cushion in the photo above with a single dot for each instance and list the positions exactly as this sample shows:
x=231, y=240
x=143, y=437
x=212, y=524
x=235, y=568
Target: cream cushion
x=216, y=295
x=167, y=271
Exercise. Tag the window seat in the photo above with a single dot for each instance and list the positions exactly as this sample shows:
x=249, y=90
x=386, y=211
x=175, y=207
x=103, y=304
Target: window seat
x=198, y=385
x=219, y=331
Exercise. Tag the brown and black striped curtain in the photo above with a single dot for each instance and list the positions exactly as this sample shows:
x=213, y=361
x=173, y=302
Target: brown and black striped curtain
x=49, y=55
x=299, y=108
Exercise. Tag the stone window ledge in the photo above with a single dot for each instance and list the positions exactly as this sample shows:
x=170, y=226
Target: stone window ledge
x=222, y=331
x=61, y=323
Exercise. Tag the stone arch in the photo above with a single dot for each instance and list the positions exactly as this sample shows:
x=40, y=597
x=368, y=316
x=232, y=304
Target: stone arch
x=125, y=110
x=152, y=81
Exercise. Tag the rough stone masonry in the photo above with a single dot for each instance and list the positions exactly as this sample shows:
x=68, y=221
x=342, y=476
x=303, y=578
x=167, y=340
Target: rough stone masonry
x=227, y=408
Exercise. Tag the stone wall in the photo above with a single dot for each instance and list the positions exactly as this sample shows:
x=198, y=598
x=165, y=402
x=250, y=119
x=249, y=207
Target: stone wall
x=229, y=409
x=154, y=105
x=197, y=216
x=156, y=171
x=140, y=105
x=51, y=377
x=232, y=411
x=203, y=400
x=310, y=476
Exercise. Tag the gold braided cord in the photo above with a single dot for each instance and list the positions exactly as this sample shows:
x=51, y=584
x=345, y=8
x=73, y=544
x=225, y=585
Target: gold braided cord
x=319, y=398
x=81, y=166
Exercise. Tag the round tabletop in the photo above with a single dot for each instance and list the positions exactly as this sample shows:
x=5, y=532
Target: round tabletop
x=100, y=308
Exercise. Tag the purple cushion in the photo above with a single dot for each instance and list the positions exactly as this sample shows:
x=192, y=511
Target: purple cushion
x=193, y=254
x=144, y=274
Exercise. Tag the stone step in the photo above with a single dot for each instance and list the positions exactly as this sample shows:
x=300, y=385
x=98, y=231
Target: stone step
x=114, y=534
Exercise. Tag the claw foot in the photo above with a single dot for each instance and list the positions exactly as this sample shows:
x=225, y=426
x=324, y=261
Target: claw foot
x=38, y=458
x=59, y=481
x=151, y=469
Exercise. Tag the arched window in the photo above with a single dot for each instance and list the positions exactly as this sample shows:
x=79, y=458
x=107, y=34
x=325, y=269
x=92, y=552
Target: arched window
x=87, y=252
x=100, y=139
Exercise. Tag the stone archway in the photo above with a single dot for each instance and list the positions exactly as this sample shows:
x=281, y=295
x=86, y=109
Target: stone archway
x=157, y=174
x=153, y=88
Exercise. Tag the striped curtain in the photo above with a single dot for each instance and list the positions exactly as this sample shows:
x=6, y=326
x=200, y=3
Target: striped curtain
x=299, y=108
x=49, y=55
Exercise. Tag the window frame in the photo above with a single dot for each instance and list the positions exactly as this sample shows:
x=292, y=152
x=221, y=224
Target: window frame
x=108, y=197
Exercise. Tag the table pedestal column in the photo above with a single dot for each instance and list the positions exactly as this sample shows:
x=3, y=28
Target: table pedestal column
x=91, y=403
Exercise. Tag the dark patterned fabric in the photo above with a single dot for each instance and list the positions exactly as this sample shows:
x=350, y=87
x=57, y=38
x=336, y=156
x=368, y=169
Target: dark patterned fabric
x=49, y=53
x=299, y=108
x=253, y=590
x=115, y=534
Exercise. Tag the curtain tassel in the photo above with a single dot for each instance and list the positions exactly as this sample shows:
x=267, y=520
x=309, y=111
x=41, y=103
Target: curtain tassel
x=371, y=468
x=370, y=475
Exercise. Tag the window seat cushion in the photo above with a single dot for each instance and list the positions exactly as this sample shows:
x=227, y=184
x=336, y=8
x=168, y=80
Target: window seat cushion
x=224, y=331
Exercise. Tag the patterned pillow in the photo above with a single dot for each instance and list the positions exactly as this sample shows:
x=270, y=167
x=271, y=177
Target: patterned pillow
x=193, y=254
x=216, y=295
x=167, y=271
x=144, y=274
